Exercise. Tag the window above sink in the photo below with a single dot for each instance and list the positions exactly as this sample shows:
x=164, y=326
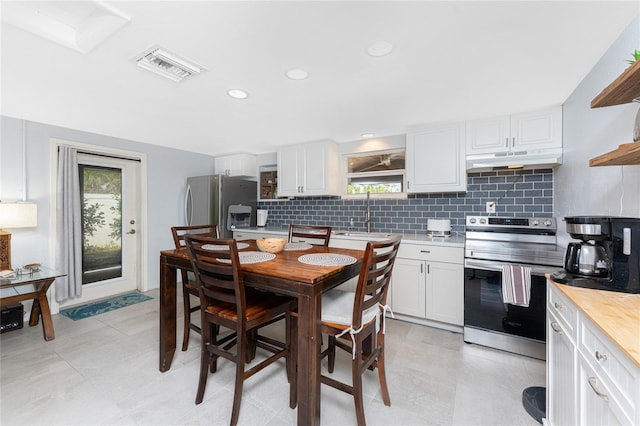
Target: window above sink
x=381, y=172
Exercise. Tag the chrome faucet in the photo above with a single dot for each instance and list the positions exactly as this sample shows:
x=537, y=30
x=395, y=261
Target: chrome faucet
x=367, y=213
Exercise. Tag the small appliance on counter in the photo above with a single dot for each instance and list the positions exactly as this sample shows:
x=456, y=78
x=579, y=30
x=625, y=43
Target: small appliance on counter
x=262, y=217
x=608, y=256
x=439, y=227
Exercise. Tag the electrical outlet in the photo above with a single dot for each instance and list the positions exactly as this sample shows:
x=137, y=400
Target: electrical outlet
x=491, y=206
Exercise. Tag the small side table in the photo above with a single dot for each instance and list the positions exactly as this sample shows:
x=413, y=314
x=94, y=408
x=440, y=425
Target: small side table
x=32, y=286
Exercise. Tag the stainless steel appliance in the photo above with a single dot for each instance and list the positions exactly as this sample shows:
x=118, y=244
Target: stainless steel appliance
x=608, y=258
x=490, y=244
x=229, y=201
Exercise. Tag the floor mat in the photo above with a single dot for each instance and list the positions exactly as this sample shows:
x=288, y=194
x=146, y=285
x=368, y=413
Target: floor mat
x=100, y=307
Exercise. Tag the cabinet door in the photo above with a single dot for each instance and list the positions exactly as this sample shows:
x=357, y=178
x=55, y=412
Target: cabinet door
x=445, y=294
x=435, y=159
x=314, y=181
x=236, y=165
x=537, y=130
x=597, y=406
x=561, y=375
x=289, y=165
x=488, y=136
x=408, y=287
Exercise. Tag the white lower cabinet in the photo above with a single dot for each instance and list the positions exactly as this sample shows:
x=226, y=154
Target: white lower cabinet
x=597, y=406
x=427, y=283
x=589, y=380
x=348, y=243
x=561, y=372
x=408, y=288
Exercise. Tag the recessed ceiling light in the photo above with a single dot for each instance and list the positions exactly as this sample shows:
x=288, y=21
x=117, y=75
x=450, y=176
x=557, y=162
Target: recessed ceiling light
x=167, y=64
x=380, y=48
x=367, y=135
x=297, y=74
x=237, y=93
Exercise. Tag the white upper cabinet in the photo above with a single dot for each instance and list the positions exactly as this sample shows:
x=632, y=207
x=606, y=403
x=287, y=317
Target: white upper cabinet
x=308, y=169
x=518, y=133
x=436, y=158
x=237, y=165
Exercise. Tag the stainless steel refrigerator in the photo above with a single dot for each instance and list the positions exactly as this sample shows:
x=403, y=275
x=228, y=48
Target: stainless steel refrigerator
x=230, y=202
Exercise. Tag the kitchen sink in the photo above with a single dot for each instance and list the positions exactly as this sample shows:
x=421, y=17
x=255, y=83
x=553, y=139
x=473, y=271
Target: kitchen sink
x=362, y=234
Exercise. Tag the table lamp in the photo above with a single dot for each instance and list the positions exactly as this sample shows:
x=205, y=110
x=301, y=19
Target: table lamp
x=14, y=215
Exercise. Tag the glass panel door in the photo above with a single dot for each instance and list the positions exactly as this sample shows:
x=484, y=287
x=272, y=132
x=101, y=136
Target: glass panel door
x=101, y=195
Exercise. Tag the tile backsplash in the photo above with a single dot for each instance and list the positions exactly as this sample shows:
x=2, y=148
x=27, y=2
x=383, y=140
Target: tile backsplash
x=516, y=193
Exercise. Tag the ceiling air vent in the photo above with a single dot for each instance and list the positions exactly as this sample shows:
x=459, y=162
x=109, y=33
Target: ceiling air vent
x=167, y=64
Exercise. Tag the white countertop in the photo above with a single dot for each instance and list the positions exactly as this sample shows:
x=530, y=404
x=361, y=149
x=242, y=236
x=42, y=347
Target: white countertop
x=409, y=237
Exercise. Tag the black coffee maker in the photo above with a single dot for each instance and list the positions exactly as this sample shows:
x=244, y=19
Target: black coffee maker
x=608, y=256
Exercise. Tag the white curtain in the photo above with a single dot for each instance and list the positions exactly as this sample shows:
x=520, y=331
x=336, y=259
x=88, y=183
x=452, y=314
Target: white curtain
x=69, y=229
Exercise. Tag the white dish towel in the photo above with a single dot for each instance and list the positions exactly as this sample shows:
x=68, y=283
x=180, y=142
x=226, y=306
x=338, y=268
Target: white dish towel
x=516, y=285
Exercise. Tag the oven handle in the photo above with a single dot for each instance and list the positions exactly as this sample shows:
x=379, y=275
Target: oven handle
x=490, y=265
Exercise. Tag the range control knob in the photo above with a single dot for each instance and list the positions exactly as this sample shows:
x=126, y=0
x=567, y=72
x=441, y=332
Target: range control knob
x=547, y=222
x=483, y=221
x=472, y=220
x=536, y=223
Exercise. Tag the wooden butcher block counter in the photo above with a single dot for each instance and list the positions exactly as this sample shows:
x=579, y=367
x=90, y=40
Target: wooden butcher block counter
x=616, y=314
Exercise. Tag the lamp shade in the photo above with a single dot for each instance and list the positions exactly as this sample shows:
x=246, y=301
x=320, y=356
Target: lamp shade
x=18, y=215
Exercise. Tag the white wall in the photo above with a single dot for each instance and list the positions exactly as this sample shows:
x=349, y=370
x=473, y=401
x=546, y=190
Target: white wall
x=581, y=190
x=167, y=171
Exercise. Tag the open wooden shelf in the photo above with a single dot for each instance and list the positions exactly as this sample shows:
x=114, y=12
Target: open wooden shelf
x=622, y=90
x=626, y=154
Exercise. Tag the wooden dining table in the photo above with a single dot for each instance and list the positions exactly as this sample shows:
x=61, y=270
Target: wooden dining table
x=286, y=275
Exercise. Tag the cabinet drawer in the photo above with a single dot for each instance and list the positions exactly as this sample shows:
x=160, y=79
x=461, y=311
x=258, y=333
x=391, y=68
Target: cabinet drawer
x=432, y=253
x=599, y=403
x=610, y=364
x=564, y=311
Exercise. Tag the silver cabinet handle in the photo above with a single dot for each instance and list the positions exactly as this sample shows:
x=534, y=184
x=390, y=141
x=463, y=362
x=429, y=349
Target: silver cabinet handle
x=593, y=382
x=428, y=269
x=601, y=356
x=133, y=231
x=556, y=327
x=507, y=142
x=557, y=306
x=425, y=251
x=422, y=268
x=514, y=141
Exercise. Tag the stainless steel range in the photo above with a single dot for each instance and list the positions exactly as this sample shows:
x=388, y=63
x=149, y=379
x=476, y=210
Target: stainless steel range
x=491, y=244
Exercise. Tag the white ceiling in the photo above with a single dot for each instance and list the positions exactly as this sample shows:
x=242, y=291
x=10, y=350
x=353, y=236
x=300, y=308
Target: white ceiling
x=451, y=60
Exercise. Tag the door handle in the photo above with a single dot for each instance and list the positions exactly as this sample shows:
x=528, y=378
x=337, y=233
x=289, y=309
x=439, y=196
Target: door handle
x=556, y=328
x=133, y=231
x=593, y=382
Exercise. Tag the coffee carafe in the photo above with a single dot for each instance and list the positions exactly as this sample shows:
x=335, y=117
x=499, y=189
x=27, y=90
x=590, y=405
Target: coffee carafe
x=587, y=259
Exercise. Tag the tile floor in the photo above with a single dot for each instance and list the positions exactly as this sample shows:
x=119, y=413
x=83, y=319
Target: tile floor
x=104, y=371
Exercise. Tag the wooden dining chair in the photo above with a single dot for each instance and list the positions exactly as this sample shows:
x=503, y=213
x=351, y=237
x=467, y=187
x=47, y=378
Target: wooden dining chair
x=225, y=302
x=357, y=316
x=312, y=234
x=178, y=233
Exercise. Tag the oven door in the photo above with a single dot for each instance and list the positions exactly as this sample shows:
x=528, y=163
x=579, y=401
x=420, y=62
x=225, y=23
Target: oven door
x=491, y=322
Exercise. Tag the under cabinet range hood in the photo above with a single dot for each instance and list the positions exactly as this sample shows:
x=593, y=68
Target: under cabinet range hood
x=542, y=159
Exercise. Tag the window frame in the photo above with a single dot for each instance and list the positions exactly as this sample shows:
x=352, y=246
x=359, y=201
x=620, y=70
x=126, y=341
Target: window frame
x=385, y=195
